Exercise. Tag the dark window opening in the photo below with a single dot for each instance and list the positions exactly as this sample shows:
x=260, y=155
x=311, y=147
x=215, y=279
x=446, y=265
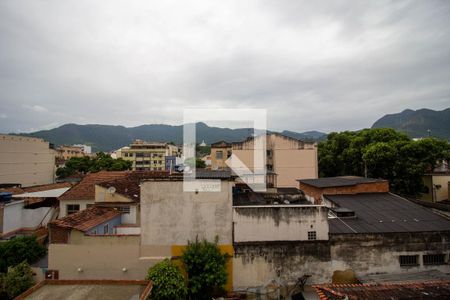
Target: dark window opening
x=408, y=260
x=433, y=259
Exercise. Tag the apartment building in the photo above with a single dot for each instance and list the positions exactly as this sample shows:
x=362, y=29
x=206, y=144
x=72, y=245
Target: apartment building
x=26, y=161
x=65, y=152
x=148, y=156
x=286, y=158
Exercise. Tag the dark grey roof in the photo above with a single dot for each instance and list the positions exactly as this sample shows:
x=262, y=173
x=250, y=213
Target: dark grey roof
x=383, y=213
x=427, y=275
x=212, y=174
x=338, y=181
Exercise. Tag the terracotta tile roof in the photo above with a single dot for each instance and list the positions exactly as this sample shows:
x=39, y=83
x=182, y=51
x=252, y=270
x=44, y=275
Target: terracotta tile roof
x=86, y=219
x=392, y=291
x=85, y=189
x=36, y=188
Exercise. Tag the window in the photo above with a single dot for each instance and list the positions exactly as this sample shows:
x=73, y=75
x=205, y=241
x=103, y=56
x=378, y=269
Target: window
x=433, y=259
x=124, y=209
x=312, y=235
x=94, y=231
x=408, y=260
x=139, y=154
x=72, y=208
x=106, y=229
x=219, y=155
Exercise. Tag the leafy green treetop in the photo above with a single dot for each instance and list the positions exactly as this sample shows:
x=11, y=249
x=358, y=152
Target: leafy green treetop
x=168, y=282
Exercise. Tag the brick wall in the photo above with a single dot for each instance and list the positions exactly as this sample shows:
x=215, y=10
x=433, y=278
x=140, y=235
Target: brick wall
x=58, y=235
x=316, y=193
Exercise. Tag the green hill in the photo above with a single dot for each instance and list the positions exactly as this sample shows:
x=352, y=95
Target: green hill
x=416, y=123
x=109, y=137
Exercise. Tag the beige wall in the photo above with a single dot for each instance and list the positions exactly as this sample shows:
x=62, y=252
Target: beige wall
x=291, y=165
x=291, y=159
x=279, y=223
x=63, y=205
x=219, y=163
x=170, y=216
x=441, y=193
x=25, y=160
x=99, y=257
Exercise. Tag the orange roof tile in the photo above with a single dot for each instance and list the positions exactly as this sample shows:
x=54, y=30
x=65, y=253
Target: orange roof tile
x=85, y=189
x=86, y=219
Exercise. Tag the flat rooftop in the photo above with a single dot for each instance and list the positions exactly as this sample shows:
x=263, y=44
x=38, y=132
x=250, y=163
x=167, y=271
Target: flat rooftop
x=338, y=181
x=88, y=290
x=384, y=213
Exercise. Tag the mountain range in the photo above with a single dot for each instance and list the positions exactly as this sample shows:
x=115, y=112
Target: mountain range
x=109, y=137
x=415, y=123
x=418, y=123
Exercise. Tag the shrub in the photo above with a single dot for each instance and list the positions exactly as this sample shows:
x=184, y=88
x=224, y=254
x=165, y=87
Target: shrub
x=168, y=282
x=205, y=267
x=19, y=249
x=17, y=280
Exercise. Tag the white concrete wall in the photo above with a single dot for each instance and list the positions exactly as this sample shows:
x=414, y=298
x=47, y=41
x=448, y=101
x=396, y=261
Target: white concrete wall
x=128, y=230
x=12, y=216
x=33, y=217
x=130, y=218
x=170, y=216
x=15, y=216
x=279, y=223
x=99, y=257
x=63, y=206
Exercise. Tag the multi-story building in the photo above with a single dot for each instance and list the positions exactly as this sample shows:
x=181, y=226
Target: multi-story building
x=220, y=152
x=287, y=158
x=65, y=152
x=26, y=161
x=147, y=156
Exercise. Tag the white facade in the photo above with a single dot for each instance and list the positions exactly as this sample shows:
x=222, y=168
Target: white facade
x=280, y=223
x=16, y=217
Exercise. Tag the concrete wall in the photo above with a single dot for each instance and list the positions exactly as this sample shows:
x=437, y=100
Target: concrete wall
x=170, y=216
x=291, y=165
x=279, y=223
x=255, y=264
x=25, y=160
x=375, y=253
x=99, y=257
x=291, y=159
x=15, y=216
x=63, y=205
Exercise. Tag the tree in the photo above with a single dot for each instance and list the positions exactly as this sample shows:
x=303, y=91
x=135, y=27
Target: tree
x=199, y=164
x=19, y=249
x=205, y=267
x=168, y=282
x=101, y=161
x=382, y=153
x=17, y=280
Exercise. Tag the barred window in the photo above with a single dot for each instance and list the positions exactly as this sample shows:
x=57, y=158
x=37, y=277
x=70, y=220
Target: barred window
x=124, y=209
x=312, y=235
x=433, y=259
x=408, y=260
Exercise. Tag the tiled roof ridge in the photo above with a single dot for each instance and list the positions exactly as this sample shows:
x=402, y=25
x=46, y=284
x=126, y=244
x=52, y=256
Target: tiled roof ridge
x=88, y=218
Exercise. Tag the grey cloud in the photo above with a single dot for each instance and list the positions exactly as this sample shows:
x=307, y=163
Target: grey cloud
x=334, y=65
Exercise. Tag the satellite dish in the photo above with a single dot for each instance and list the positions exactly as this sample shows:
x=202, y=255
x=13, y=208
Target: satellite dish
x=111, y=190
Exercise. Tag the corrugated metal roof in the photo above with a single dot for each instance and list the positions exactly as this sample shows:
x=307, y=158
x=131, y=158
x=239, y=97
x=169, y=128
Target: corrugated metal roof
x=338, y=181
x=383, y=213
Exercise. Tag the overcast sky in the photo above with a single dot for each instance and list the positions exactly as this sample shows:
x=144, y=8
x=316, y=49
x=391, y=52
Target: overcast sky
x=331, y=66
